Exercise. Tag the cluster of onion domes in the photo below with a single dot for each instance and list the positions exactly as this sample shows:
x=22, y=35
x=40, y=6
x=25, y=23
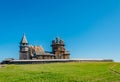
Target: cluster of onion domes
x=58, y=41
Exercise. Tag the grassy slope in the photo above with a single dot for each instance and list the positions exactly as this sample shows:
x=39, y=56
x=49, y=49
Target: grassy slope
x=116, y=67
x=59, y=72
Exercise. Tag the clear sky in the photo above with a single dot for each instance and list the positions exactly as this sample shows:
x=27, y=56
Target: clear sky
x=90, y=28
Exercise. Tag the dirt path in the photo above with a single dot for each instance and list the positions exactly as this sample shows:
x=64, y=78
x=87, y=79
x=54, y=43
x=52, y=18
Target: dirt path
x=1, y=66
x=114, y=71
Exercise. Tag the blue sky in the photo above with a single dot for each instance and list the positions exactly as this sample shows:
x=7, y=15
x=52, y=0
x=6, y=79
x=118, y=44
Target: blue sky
x=90, y=28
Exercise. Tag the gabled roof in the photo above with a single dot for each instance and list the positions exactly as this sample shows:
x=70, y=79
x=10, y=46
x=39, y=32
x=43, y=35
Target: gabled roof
x=24, y=39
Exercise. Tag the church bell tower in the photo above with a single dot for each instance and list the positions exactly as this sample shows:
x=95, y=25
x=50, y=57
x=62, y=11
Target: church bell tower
x=24, y=48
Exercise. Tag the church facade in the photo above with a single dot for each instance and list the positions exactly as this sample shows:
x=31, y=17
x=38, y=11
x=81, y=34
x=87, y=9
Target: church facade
x=29, y=52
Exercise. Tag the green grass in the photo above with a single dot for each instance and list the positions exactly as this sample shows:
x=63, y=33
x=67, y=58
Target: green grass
x=116, y=67
x=60, y=72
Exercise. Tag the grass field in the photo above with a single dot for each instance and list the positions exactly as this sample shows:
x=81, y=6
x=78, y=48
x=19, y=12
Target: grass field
x=61, y=72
